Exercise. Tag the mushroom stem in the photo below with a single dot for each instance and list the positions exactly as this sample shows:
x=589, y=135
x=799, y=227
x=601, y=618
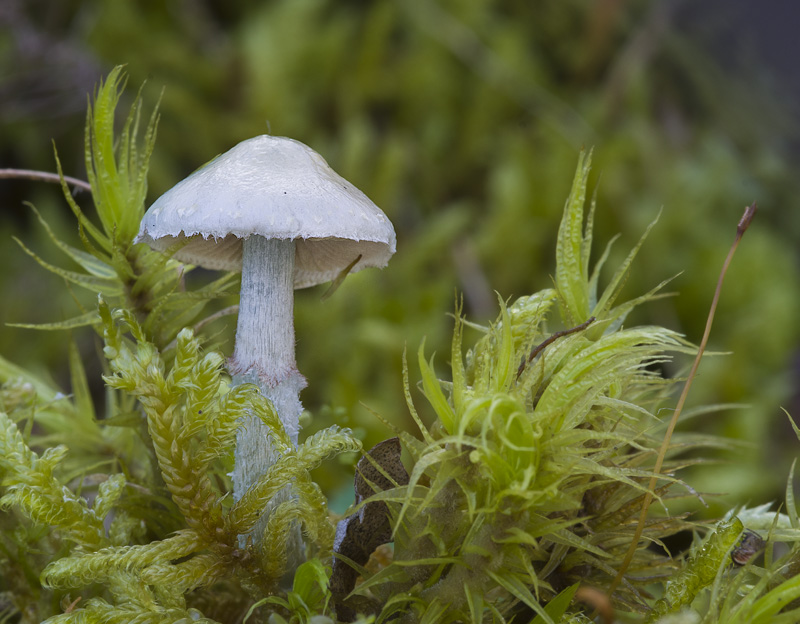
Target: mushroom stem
x=264, y=355
x=264, y=352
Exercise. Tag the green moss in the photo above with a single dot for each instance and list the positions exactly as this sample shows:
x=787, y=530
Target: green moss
x=526, y=482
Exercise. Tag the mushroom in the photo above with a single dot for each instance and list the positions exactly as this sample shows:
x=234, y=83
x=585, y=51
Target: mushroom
x=272, y=208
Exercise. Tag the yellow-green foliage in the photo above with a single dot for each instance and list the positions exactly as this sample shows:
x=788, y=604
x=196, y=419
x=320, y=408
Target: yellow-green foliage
x=137, y=498
x=536, y=460
x=192, y=417
x=126, y=274
x=461, y=120
x=31, y=486
x=700, y=571
x=530, y=480
x=527, y=483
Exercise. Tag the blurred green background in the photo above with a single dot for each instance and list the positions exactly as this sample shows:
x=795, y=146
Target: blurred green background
x=462, y=120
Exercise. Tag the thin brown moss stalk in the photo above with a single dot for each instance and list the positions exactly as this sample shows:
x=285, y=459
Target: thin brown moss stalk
x=741, y=228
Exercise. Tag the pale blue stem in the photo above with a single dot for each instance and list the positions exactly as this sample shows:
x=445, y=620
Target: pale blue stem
x=264, y=355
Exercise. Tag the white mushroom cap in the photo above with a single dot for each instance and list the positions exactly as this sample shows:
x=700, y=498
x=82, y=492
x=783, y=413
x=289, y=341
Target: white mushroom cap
x=277, y=188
